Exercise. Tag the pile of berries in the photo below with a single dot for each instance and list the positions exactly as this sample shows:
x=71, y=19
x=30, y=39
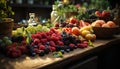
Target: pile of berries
x=43, y=43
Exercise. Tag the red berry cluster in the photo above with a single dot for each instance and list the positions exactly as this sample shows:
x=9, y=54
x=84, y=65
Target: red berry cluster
x=43, y=40
x=16, y=49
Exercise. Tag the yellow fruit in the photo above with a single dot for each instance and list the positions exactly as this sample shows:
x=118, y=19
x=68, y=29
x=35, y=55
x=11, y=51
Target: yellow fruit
x=86, y=28
x=14, y=32
x=90, y=37
x=85, y=32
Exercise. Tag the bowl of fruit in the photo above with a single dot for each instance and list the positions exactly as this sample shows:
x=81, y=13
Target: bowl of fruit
x=104, y=29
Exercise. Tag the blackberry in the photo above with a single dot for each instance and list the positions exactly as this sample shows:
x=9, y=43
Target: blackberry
x=47, y=50
x=58, y=48
x=67, y=42
x=71, y=48
x=67, y=50
x=33, y=54
x=17, y=39
x=31, y=50
x=75, y=47
x=78, y=41
x=41, y=53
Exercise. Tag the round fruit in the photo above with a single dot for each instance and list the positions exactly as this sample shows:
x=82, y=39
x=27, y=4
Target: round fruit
x=85, y=32
x=75, y=30
x=100, y=22
x=111, y=24
x=106, y=25
x=90, y=37
x=95, y=24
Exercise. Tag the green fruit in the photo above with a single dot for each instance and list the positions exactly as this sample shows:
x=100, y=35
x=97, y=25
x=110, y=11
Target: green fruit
x=39, y=26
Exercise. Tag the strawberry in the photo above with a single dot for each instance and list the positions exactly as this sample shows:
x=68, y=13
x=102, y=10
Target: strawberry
x=14, y=44
x=36, y=50
x=53, y=35
x=71, y=45
x=13, y=52
x=53, y=30
x=43, y=41
x=23, y=49
x=33, y=36
x=85, y=42
x=105, y=13
x=52, y=43
x=52, y=49
x=60, y=43
x=82, y=45
x=44, y=35
x=47, y=33
x=8, y=47
x=48, y=38
x=16, y=54
x=24, y=43
x=97, y=13
x=38, y=36
x=41, y=47
x=38, y=32
x=36, y=41
x=54, y=38
x=59, y=37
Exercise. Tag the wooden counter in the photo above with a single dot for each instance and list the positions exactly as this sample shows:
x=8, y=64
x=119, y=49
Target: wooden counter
x=49, y=62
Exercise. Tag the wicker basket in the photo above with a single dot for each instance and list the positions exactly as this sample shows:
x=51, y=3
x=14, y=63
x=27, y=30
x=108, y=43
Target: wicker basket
x=103, y=32
x=6, y=28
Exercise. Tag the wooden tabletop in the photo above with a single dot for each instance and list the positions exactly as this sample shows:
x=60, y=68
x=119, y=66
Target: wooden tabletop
x=26, y=62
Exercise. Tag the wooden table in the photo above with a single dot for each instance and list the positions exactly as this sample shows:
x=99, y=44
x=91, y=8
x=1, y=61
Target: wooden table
x=48, y=61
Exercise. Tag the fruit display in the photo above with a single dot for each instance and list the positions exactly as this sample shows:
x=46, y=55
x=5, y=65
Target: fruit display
x=104, y=29
x=102, y=23
x=41, y=40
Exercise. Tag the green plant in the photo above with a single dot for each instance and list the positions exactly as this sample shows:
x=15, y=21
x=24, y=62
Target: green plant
x=5, y=10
